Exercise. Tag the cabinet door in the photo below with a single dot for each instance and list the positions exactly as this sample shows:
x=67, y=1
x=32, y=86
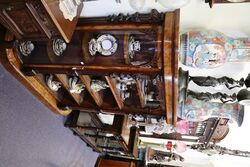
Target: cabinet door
x=17, y=17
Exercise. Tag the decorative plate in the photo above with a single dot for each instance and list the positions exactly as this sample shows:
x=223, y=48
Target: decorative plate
x=106, y=44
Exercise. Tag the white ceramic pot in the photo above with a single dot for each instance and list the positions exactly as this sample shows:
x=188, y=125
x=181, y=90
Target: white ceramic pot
x=137, y=5
x=173, y=4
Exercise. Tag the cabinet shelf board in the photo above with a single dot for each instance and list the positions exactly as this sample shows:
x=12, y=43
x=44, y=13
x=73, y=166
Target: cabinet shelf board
x=140, y=93
x=108, y=99
x=98, y=97
x=114, y=27
x=62, y=95
x=115, y=92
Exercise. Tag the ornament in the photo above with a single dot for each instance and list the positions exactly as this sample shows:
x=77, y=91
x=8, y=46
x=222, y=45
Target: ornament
x=182, y=126
x=58, y=46
x=169, y=145
x=180, y=147
x=52, y=84
x=26, y=48
x=75, y=85
x=98, y=85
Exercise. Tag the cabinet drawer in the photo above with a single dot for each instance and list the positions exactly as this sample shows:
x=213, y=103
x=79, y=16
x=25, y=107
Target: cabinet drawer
x=27, y=20
x=43, y=19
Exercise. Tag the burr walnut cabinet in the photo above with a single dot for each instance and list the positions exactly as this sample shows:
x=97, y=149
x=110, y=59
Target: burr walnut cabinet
x=122, y=64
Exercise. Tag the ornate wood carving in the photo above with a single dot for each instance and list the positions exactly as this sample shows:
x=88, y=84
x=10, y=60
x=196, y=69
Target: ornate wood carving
x=43, y=18
x=153, y=17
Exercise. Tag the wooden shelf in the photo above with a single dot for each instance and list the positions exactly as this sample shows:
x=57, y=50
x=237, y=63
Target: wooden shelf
x=140, y=93
x=62, y=95
x=108, y=99
x=58, y=94
x=113, y=27
x=115, y=92
x=97, y=96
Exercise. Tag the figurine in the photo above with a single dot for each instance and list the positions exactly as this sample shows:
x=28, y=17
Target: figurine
x=98, y=85
x=75, y=85
x=123, y=81
x=133, y=46
x=52, y=84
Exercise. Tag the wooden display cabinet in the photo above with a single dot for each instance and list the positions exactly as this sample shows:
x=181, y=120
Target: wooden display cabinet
x=145, y=82
x=113, y=136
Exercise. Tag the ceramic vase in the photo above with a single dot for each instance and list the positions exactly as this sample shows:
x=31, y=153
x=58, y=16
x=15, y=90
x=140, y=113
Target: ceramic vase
x=196, y=111
x=210, y=49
